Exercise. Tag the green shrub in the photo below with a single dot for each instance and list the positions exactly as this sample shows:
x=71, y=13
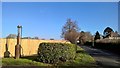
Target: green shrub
x=55, y=52
x=113, y=47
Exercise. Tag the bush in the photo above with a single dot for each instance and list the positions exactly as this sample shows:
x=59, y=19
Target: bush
x=88, y=43
x=55, y=52
x=113, y=47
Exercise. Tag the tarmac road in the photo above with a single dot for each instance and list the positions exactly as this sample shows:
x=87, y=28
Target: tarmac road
x=103, y=58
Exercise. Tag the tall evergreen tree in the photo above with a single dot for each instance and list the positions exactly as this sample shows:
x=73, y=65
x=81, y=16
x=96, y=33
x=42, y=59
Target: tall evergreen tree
x=97, y=35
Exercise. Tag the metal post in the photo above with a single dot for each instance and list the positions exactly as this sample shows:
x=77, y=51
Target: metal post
x=76, y=45
x=17, y=47
x=76, y=41
x=93, y=41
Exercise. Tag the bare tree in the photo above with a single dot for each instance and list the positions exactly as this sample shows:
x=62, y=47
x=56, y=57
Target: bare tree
x=84, y=37
x=70, y=31
x=88, y=36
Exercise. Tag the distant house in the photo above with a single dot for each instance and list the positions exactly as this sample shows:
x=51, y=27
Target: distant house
x=114, y=35
x=11, y=36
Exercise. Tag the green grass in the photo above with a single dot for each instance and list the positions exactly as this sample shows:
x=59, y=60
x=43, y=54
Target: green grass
x=82, y=59
x=22, y=61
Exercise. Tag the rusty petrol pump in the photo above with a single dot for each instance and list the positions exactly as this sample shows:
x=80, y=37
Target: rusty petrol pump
x=18, y=46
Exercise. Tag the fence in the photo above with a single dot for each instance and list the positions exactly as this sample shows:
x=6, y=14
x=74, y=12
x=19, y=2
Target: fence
x=29, y=46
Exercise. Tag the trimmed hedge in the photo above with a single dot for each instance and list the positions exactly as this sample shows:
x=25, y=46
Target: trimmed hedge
x=55, y=52
x=111, y=46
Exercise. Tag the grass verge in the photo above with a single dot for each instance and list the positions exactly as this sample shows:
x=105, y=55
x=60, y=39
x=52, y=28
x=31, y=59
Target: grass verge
x=82, y=59
x=22, y=61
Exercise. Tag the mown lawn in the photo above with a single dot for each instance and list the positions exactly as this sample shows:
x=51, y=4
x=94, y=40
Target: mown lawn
x=82, y=59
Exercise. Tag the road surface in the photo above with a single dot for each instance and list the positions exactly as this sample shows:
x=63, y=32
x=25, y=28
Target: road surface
x=103, y=58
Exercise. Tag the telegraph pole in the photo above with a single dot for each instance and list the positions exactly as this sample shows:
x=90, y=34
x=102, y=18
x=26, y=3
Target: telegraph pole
x=18, y=46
